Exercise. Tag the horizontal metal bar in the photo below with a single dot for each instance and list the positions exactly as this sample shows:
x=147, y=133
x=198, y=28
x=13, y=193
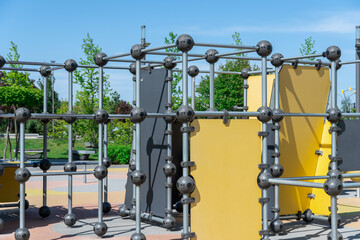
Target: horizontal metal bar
x=176, y=54
x=350, y=175
x=19, y=69
x=116, y=56
x=48, y=174
x=351, y=185
x=7, y=205
x=301, y=57
x=228, y=72
x=311, y=62
x=148, y=217
x=146, y=50
x=288, y=217
x=234, y=53
x=279, y=181
x=349, y=62
x=242, y=58
x=302, y=114
x=36, y=63
x=321, y=218
x=305, y=178
x=55, y=68
x=350, y=114
x=76, y=162
x=133, y=61
x=225, y=46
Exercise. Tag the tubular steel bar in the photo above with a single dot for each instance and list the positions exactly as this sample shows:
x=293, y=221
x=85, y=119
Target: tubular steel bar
x=106, y=181
x=212, y=86
x=308, y=62
x=45, y=141
x=39, y=174
x=146, y=50
x=277, y=142
x=117, y=56
x=234, y=53
x=36, y=63
x=301, y=57
x=193, y=93
x=132, y=60
x=225, y=46
x=148, y=217
x=70, y=144
x=280, y=181
x=22, y=184
x=19, y=69
x=349, y=62
x=133, y=145
x=176, y=54
x=230, y=72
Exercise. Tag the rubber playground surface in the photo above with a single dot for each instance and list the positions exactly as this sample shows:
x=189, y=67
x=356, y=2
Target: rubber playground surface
x=85, y=208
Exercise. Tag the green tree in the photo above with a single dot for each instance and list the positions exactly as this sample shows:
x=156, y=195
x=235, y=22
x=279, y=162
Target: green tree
x=228, y=87
x=307, y=48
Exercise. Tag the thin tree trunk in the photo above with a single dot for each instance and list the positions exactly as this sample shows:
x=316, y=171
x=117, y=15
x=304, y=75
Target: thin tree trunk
x=6, y=138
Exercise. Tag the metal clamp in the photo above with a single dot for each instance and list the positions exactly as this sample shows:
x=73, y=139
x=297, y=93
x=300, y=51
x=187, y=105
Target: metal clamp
x=188, y=235
x=319, y=152
x=245, y=108
x=311, y=195
x=263, y=166
x=134, y=78
x=168, y=79
x=168, y=132
x=133, y=202
x=167, y=211
x=246, y=86
x=168, y=185
x=187, y=164
x=295, y=64
x=264, y=232
x=187, y=129
x=187, y=200
x=133, y=151
x=264, y=200
x=335, y=129
x=275, y=154
x=335, y=159
x=169, y=104
x=318, y=65
x=275, y=210
x=275, y=127
x=263, y=133
x=168, y=158
x=226, y=116
x=149, y=68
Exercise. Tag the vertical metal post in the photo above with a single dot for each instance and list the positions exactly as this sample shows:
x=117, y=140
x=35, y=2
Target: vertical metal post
x=185, y=141
x=264, y=192
x=212, y=86
x=245, y=95
x=22, y=184
x=100, y=151
x=70, y=136
x=137, y=146
x=333, y=104
x=106, y=182
x=133, y=144
x=169, y=147
x=53, y=98
x=45, y=142
x=192, y=93
x=357, y=72
x=277, y=141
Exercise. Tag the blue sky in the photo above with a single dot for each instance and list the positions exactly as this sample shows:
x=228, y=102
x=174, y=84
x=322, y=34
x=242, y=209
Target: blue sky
x=53, y=30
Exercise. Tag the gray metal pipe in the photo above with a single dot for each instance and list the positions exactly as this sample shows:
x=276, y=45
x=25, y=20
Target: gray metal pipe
x=70, y=133
x=350, y=62
x=147, y=50
x=19, y=69
x=301, y=57
x=212, y=86
x=100, y=148
x=225, y=46
x=280, y=181
x=44, y=183
x=49, y=174
x=22, y=185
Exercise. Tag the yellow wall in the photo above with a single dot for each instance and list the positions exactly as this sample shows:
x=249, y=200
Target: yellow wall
x=226, y=194
x=254, y=91
x=10, y=188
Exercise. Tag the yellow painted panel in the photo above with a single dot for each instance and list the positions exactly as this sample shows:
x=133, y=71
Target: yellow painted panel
x=226, y=194
x=320, y=205
x=302, y=90
x=10, y=188
x=254, y=91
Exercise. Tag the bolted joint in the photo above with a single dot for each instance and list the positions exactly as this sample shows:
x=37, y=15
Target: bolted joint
x=22, y=175
x=263, y=180
x=184, y=43
x=100, y=172
x=276, y=59
x=264, y=48
x=22, y=114
x=185, y=113
x=185, y=184
x=99, y=59
x=333, y=186
x=334, y=115
x=138, y=177
x=136, y=51
x=69, y=120
x=44, y=71
x=333, y=53
x=101, y=116
x=265, y=114
x=276, y=115
x=210, y=56
x=193, y=71
x=245, y=73
x=276, y=170
x=137, y=115
x=70, y=167
x=169, y=62
x=70, y=65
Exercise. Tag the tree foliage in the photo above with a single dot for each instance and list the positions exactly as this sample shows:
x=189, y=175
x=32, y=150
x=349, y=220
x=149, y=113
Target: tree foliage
x=307, y=48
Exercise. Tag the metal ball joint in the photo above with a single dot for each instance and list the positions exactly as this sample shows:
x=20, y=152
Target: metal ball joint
x=122, y=210
x=2, y=61
x=333, y=186
x=132, y=214
x=70, y=65
x=100, y=229
x=132, y=68
x=99, y=59
x=44, y=211
x=70, y=167
x=101, y=116
x=169, y=222
x=277, y=118
x=307, y=216
x=263, y=180
x=132, y=165
x=333, y=53
x=184, y=43
x=264, y=48
x=69, y=120
x=193, y=71
x=245, y=73
x=334, y=115
x=210, y=56
x=22, y=114
x=27, y=204
x=335, y=173
x=136, y=51
x=276, y=226
x=137, y=177
x=185, y=113
x=169, y=119
x=100, y=172
x=169, y=62
x=169, y=169
x=276, y=170
x=22, y=234
x=44, y=71
x=45, y=164
x=138, y=236
x=339, y=236
x=106, y=207
x=137, y=115
x=22, y=175
x=106, y=162
x=276, y=59
x=265, y=114
x=70, y=219
x=185, y=184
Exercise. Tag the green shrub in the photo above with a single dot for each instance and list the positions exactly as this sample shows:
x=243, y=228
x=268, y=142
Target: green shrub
x=119, y=154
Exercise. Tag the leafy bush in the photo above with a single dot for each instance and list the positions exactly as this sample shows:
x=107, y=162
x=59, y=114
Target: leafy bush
x=119, y=154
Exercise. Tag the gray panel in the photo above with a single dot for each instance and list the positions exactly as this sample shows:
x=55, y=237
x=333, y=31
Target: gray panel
x=348, y=144
x=153, y=144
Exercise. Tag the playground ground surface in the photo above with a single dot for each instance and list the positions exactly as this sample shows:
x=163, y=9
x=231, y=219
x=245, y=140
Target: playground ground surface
x=85, y=208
